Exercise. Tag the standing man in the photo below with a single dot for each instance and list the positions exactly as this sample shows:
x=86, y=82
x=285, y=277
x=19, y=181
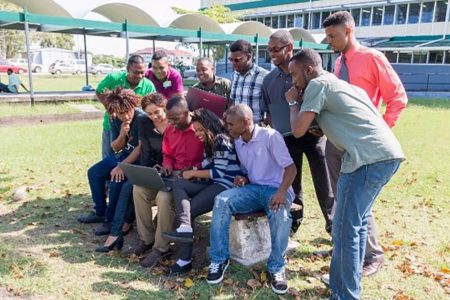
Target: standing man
x=208, y=81
x=371, y=157
x=14, y=83
x=133, y=79
x=275, y=85
x=379, y=80
x=166, y=79
x=247, y=79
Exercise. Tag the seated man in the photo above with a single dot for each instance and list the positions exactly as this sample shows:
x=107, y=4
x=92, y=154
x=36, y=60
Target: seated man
x=371, y=157
x=270, y=173
x=182, y=150
x=13, y=83
x=122, y=104
x=208, y=81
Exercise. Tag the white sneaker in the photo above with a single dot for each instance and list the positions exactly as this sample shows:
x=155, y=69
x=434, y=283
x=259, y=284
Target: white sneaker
x=325, y=278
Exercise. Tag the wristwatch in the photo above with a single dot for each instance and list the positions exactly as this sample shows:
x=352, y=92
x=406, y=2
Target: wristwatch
x=292, y=103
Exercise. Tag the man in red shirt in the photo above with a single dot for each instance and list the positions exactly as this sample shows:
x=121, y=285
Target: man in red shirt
x=166, y=79
x=181, y=150
x=370, y=70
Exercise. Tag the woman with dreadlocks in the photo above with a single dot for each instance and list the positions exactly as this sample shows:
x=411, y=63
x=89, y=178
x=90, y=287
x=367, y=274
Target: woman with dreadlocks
x=194, y=193
x=121, y=105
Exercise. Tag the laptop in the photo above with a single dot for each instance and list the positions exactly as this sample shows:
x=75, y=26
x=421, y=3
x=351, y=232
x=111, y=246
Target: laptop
x=198, y=98
x=144, y=176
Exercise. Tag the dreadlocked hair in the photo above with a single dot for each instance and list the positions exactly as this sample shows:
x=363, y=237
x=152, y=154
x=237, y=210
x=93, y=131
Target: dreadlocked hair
x=214, y=128
x=121, y=100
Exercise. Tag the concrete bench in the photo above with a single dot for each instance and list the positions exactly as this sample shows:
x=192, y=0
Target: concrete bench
x=250, y=237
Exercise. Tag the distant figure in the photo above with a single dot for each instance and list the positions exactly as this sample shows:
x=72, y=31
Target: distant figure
x=13, y=83
x=166, y=79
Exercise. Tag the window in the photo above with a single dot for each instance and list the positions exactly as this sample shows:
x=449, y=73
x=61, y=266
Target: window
x=306, y=21
x=427, y=12
x=365, y=19
x=325, y=14
x=436, y=57
x=441, y=11
x=298, y=21
x=447, y=57
x=404, y=57
x=420, y=57
x=389, y=12
x=267, y=21
x=261, y=20
x=290, y=21
x=282, y=22
x=377, y=16
x=315, y=20
x=414, y=10
x=401, y=13
x=275, y=22
x=391, y=56
x=356, y=14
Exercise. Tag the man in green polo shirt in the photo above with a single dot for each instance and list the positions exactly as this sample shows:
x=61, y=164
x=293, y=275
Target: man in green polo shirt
x=208, y=81
x=133, y=79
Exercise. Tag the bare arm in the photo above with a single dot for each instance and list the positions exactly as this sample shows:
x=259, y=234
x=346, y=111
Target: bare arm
x=279, y=198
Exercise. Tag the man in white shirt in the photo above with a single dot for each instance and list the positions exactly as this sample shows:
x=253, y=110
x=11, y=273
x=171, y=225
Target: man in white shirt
x=13, y=83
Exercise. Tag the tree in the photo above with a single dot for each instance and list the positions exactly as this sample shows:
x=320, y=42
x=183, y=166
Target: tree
x=11, y=41
x=55, y=40
x=117, y=62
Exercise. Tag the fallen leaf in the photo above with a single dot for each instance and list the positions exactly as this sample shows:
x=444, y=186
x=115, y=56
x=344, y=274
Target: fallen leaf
x=253, y=283
x=54, y=253
x=263, y=277
x=169, y=284
x=397, y=243
x=228, y=281
x=401, y=296
x=133, y=258
x=188, y=283
x=294, y=293
x=445, y=270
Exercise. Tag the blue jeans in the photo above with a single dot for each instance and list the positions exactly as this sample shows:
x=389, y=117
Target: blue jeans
x=247, y=199
x=98, y=175
x=124, y=209
x=356, y=194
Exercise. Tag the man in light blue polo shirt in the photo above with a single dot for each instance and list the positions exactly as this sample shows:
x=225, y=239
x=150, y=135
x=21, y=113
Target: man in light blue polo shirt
x=371, y=157
x=265, y=159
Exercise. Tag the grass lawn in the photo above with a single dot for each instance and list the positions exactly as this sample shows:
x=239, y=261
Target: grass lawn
x=46, y=254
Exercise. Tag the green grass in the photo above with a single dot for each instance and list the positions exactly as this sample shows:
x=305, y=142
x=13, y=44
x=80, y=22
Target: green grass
x=46, y=254
x=25, y=109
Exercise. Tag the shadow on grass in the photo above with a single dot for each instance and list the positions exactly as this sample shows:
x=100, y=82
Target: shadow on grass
x=430, y=103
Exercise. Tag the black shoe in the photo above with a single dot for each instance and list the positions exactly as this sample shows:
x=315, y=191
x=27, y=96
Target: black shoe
x=91, y=218
x=216, y=272
x=176, y=269
x=182, y=237
x=116, y=244
x=140, y=248
x=278, y=282
x=103, y=229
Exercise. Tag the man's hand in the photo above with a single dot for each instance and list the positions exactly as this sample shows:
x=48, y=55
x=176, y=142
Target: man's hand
x=125, y=128
x=166, y=171
x=316, y=131
x=117, y=174
x=293, y=95
x=240, y=180
x=278, y=199
x=188, y=174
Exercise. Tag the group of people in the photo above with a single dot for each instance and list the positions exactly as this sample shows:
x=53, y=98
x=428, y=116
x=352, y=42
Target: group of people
x=250, y=159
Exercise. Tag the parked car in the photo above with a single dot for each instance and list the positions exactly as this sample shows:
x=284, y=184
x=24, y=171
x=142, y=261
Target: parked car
x=101, y=69
x=64, y=67
x=22, y=62
x=5, y=65
x=189, y=71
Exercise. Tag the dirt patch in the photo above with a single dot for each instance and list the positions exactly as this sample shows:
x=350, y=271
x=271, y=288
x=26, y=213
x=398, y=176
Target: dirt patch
x=50, y=118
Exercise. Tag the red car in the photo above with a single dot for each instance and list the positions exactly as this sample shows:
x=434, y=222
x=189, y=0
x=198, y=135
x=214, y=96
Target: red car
x=5, y=65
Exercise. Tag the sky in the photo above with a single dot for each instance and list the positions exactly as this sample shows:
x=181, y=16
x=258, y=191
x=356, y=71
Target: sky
x=116, y=46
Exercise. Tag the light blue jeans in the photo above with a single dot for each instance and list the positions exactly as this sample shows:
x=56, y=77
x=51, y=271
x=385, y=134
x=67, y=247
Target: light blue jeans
x=247, y=199
x=356, y=194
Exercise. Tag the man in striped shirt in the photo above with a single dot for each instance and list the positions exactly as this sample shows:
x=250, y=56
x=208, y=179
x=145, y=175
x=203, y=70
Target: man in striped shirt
x=247, y=79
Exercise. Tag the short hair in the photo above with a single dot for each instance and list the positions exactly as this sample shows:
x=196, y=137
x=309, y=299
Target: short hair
x=308, y=57
x=154, y=98
x=241, y=111
x=160, y=54
x=10, y=70
x=120, y=100
x=205, y=59
x=283, y=36
x=177, y=101
x=339, y=18
x=135, y=59
x=241, y=45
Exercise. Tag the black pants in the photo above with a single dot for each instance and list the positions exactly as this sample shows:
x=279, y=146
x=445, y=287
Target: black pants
x=314, y=149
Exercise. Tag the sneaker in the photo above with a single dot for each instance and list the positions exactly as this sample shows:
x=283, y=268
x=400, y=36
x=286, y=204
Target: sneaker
x=154, y=258
x=216, y=272
x=325, y=278
x=181, y=237
x=103, y=229
x=176, y=269
x=91, y=218
x=278, y=282
x=140, y=248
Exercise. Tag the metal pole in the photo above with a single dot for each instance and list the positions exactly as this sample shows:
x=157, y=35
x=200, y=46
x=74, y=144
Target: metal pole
x=27, y=41
x=85, y=57
x=226, y=58
x=200, y=41
x=257, y=50
x=154, y=46
x=127, y=41
x=208, y=50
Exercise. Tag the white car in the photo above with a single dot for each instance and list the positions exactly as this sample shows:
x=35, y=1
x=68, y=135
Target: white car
x=101, y=69
x=190, y=72
x=22, y=62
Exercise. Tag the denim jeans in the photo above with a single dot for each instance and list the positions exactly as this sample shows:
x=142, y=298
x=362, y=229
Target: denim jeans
x=356, y=194
x=98, y=175
x=247, y=199
x=124, y=209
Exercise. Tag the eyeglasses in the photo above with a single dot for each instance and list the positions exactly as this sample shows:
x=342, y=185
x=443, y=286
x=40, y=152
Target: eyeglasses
x=274, y=50
x=236, y=60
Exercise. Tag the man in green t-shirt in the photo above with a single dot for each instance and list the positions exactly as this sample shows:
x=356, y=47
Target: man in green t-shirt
x=133, y=79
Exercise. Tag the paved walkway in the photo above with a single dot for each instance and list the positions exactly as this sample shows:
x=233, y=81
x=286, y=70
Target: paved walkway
x=46, y=97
